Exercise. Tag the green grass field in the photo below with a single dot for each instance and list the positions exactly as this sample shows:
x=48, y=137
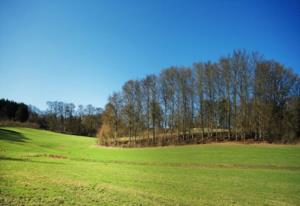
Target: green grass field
x=44, y=168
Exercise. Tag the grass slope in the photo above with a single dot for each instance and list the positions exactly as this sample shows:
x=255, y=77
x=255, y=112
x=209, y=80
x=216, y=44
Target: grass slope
x=44, y=168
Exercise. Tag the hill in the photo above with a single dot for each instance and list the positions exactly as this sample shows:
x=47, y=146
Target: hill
x=39, y=167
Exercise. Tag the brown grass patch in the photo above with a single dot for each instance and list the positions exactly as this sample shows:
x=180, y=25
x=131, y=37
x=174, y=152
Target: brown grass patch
x=55, y=156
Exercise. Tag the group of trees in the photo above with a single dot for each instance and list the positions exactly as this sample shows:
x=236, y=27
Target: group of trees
x=66, y=118
x=241, y=97
x=59, y=117
x=13, y=111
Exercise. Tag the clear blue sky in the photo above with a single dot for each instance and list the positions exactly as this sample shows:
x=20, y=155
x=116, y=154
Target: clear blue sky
x=82, y=51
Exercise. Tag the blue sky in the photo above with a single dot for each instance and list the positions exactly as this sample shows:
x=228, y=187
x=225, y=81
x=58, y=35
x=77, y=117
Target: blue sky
x=82, y=51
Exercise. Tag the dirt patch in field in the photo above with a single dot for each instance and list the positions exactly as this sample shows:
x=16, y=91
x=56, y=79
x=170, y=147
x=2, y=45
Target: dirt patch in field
x=55, y=156
x=193, y=165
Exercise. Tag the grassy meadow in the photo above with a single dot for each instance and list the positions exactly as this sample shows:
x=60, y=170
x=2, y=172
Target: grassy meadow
x=39, y=167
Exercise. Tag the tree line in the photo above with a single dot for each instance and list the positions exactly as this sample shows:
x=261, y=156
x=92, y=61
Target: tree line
x=241, y=97
x=13, y=111
x=66, y=118
x=59, y=117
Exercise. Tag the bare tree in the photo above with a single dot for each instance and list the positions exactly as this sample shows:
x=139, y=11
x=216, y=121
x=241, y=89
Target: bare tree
x=115, y=107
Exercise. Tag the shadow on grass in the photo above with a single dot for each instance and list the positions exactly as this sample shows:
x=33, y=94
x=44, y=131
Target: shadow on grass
x=28, y=160
x=9, y=135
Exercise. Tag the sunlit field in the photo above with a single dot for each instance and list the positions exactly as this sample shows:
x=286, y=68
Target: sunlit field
x=39, y=167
